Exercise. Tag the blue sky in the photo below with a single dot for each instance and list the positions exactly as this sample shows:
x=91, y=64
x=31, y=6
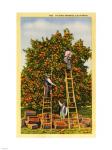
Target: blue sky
x=36, y=28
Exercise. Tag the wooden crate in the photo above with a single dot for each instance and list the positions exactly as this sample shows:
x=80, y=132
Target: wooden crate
x=30, y=113
x=33, y=119
x=32, y=126
x=47, y=125
x=87, y=122
x=60, y=124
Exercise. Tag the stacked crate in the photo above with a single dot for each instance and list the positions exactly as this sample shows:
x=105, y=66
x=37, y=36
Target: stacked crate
x=31, y=119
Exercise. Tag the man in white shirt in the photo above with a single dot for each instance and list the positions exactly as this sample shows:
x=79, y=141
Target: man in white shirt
x=63, y=110
x=67, y=59
x=48, y=86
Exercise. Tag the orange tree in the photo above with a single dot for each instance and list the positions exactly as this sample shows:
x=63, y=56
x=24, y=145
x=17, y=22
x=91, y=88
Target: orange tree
x=46, y=53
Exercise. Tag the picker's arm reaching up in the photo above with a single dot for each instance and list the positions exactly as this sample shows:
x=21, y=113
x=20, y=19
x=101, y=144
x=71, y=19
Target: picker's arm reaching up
x=60, y=103
x=50, y=82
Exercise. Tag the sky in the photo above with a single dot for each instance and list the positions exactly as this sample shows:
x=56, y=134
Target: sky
x=36, y=28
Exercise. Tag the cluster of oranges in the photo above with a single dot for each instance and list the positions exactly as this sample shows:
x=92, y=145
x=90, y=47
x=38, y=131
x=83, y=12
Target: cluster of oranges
x=42, y=54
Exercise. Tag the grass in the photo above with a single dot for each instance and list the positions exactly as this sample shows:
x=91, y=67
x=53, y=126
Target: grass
x=56, y=131
x=86, y=111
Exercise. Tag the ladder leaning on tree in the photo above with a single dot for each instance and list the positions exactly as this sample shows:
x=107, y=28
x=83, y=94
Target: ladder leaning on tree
x=47, y=110
x=47, y=107
x=73, y=119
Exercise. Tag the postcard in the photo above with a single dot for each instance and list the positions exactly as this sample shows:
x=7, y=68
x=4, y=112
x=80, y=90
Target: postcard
x=56, y=74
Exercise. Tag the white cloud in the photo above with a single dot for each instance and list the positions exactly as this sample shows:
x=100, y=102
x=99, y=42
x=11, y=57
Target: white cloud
x=43, y=28
x=44, y=25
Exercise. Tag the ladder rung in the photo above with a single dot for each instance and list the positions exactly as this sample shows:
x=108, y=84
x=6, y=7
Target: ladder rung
x=47, y=120
x=47, y=107
x=47, y=123
x=72, y=107
x=74, y=123
x=47, y=99
x=47, y=113
x=73, y=113
x=71, y=102
x=74, y=118
x=49, y=117
x=69, y=78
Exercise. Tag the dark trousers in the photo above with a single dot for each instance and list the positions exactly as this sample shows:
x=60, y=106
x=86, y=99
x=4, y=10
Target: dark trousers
x=47, y=89
x=67, y=60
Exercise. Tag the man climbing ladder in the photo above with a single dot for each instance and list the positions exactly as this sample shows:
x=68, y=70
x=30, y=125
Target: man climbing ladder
x=48, y=86
x=67, y=59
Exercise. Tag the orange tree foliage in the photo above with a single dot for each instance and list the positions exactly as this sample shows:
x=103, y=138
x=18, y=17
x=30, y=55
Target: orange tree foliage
x=47, y=53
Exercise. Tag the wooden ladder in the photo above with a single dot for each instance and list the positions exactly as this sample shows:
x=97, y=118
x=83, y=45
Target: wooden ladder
x=73, y=119
x=47, y=112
